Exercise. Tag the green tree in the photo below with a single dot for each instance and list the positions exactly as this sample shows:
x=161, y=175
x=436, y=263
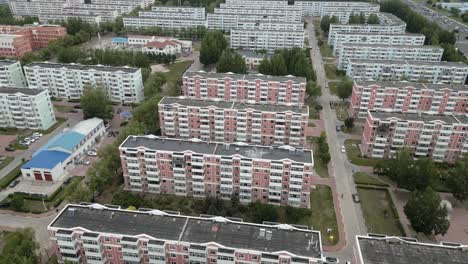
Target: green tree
x=231, y=62
x=344, y=88
x=126, y=199
x=153, y=85
x=212, y=46
x=323, y=148
x=313, y=90
x=78, y=192
x=373, y=19
x=19, y=247
x=362, y=18
x=17, y=202
x=325, y=23
x=458, y=179
x=95, y=103
x=425, y=213
x=147, y=114
x=354, y=19
x=349, y=122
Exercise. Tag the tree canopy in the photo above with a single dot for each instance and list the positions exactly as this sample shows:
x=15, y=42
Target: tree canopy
x=6, y=18
x=95, y=103
x=425, y=213
x=288, y=61
x=373, y=19
x=212, y=46
x=326, y=21
x=344, y=88
x=231, y=61
x=19, y=247
x=458, y=179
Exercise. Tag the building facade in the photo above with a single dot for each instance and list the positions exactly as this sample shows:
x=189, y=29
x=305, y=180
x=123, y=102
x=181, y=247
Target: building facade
x=77, y=235
x=15, y=41
x=376, y=39
x=315, y=8
x=60, y=154
x=268, y=39
x=233, y=122
x=276, y=175
x=387, y=52
x=439, y=137
x=408, y=97
x=389, y=24
x=414, y=71
x=25, y=108
x=242, y=87
x=67, y=81
x=11, y=74
x=168, y=17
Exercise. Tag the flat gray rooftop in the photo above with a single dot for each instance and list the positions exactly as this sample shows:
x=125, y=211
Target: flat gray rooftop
x=221, y=149
x=391, y=250
x=23, y=90
x=253, y=54
x=380, y=34
x=448, y=119
x=407, y=62
x=248, y=77
x=189, y=102
x=7, y=62
x=359, y=45
x=74, y=66
x=405, y=84
x=197, y=230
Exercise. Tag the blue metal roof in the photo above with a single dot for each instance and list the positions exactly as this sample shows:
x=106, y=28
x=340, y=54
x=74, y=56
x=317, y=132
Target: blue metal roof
x=46, y=159
x=67, y=141
x=120, y=40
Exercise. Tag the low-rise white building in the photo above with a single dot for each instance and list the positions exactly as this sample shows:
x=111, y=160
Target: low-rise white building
x=388, y=24
x=415, y=71
x=155, y=44
x=373, y=38
x=11, y=74
x=58, y=156
x=25, y=108
x=387, y=52
x=253, y=59
x=67, y=81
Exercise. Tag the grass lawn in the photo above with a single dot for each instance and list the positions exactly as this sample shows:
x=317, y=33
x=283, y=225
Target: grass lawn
x=11, y=176
x=326, y=50
x=378, y=213
x=330, y=71
x=366, y=179
x=322, y=169
x=9, y=131
x=313, y=112
x=176, y=70
x=341, y=111
x=354, y=154
x=333, y=86
x=63, y=108
x=323, y=214
x=5, y=162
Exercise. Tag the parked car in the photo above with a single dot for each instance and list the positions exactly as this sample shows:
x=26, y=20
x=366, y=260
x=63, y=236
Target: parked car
x=119, y=111
x=343, y=149
x=110, y=134
x=107, y=126
x=330, y=260
x=37, y=134
x=13, y=183
x=10, y=148
x=356, y=198
x=338, y=128
x=84, y=162
x=91, y=153
x=77, y=106
x=25, y=143
x=2, y=158
x=67, y=181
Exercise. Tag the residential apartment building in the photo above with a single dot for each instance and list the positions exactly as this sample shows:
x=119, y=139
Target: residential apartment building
x=15, y=41
x=415, y=71
x=387, y=52
x=168, y=17
x=315, y=8
x=256, y=88
x=374, y=249
x=11, y=74
x=59, y=156
x=294, y=14
x=226, y=22
x=408, y=97
x=189, y=12
x=376, y=39
x=98, y=234
x=440, y=137
x=25, y=108
x=276, y=175
x=223, y=121
x=388, y=24
x=259, y=3
x=67, y=81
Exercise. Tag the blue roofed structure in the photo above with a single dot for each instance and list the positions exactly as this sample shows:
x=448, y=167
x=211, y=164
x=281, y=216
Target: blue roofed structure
x=118, y=40
x=66, y=142
x=46, y=159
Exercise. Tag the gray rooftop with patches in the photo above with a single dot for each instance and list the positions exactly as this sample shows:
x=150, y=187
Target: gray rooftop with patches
x=448, y=119
x=197, y=230
x=247, y=77
x=408, y=62
x=221, y=149
x=23, y=90
x=404, y=84
x=74, y=66
x=395, y=250
x=7, y=62
x=189, y=102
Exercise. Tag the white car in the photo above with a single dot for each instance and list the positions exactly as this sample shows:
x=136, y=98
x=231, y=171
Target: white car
x=343, y=149
x=36, y=134
x=91, y=153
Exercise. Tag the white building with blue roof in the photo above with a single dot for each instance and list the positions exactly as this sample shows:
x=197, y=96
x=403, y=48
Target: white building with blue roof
x=58, y=156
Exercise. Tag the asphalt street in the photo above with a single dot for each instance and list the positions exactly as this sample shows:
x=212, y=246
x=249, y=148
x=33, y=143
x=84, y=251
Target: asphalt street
x=351, y=212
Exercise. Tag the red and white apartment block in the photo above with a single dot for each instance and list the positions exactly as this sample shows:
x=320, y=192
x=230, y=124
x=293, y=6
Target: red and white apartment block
x=276, y=175
x=440, y=137
x=408, y=97
x=256, y=88
x=222, y=121
x=97, y=234
x=16, y=40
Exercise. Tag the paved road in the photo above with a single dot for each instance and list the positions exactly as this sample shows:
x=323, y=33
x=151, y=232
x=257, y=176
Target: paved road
x=352, y=216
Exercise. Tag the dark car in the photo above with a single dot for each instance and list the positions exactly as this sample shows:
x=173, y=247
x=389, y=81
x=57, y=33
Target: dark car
x=10, y=148
x=119, y=111
x=77, y=106
x=356, y=198
x=13, y=183
x=330, y=260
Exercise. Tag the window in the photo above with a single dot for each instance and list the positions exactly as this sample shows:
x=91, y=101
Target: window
x=107, y=239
